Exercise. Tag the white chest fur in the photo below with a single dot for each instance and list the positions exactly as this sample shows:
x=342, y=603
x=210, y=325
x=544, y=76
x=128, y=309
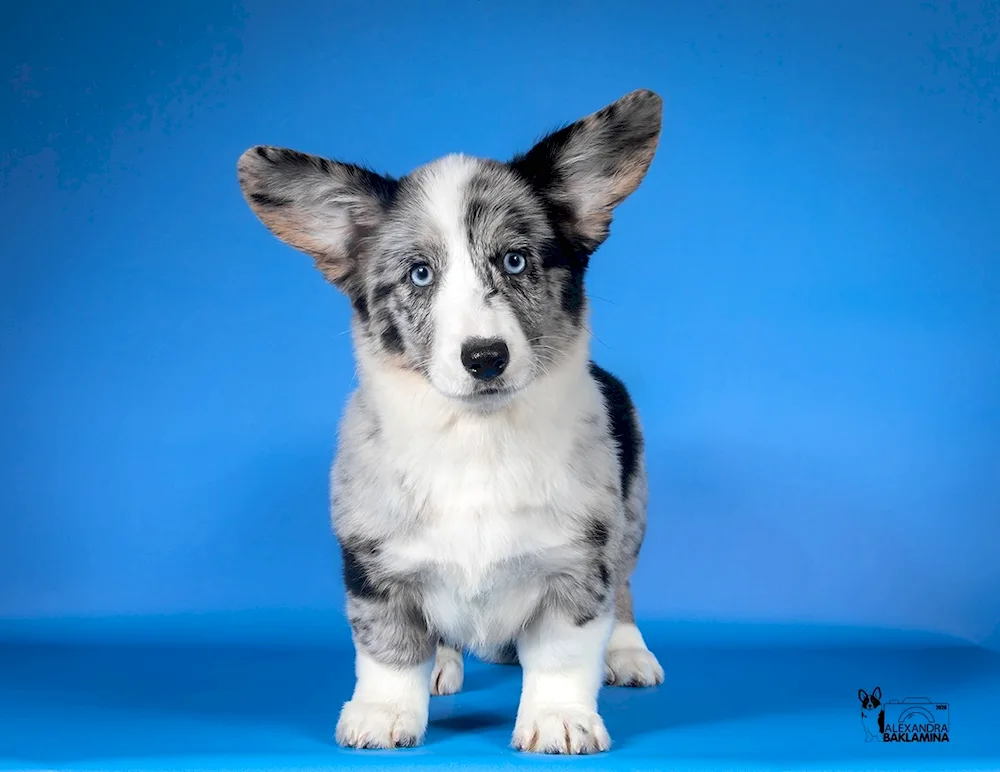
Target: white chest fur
x=490, y=524
x=500, y=497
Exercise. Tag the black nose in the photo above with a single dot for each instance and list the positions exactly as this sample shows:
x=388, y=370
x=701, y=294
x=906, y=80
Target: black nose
x=485, y=359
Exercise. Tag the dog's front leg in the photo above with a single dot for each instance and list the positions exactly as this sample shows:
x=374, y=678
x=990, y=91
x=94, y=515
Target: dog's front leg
x=394, y=654
x=563, y=666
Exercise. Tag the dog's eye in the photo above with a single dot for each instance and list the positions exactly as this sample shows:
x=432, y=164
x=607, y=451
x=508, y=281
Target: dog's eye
x=421, y=274
x=514, y=262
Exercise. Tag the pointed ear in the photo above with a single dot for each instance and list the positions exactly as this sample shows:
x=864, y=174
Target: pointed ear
x=862, y=695
x=589, y=167
x=324, y=208
x=877, y=693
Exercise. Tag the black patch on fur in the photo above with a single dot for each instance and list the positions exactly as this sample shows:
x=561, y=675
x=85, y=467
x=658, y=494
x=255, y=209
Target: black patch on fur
x=361, y=306
x=357, y=578
x=364, y=548
x=605, y=575
x=475, y=213
x=382, y=291
x=621, y=413
x=597, y=533
x=391, y=339
x=381, y=187
x=272, y=201
x=562, y=254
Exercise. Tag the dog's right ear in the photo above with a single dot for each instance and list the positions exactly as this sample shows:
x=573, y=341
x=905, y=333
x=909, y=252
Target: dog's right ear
x=324, y=208
x=589, y=167
x=862, y=695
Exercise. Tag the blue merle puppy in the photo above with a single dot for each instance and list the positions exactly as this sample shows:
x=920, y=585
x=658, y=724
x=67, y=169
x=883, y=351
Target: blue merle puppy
x=489, y=489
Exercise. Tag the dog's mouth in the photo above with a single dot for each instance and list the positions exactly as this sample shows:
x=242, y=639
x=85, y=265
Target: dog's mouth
x=489, y=391
x=489, y=396
x=493, y=392
x=484, y=395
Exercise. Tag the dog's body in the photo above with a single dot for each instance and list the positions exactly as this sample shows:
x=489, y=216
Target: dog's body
x=489, y=489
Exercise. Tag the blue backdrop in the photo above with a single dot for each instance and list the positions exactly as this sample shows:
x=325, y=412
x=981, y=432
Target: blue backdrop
x=814, y=256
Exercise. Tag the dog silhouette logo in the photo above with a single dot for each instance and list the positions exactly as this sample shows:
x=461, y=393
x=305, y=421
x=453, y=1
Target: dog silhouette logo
x=872, y=714
x=913, y=720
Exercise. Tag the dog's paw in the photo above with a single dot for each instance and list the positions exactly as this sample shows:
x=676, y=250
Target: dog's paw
x=561, y=730
x=448, y=672
x=632, y=667
x=379, y=725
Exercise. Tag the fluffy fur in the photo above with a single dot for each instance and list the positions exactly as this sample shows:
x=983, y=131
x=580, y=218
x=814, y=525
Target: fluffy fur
x=489, y=489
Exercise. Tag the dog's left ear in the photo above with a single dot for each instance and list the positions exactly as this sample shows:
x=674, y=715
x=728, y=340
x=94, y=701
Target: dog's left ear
x=589, y=167
x=877, y=693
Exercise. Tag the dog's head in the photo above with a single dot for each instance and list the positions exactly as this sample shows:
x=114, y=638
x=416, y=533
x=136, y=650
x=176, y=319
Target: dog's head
x=870, y=701
x=468, y=271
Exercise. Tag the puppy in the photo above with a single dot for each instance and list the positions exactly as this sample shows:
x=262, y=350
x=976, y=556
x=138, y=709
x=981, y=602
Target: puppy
x=489, y=488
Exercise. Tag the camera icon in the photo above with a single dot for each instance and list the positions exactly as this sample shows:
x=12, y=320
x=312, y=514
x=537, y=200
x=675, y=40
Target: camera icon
x=915, y=719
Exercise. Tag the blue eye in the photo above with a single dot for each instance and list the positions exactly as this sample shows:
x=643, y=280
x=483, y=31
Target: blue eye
x=421, y=274
x=514, y=262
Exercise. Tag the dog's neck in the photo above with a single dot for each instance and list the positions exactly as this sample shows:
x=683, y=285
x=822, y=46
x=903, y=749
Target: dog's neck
x=407, y=403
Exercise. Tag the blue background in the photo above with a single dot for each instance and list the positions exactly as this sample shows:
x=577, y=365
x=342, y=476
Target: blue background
x=814, y=257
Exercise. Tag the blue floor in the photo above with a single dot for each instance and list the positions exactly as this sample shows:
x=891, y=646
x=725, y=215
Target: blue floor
x=735, y=698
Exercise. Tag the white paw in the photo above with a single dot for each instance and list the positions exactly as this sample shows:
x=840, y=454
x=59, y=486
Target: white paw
x=379, y=725
x=632, y=667
x=561, y=730
x=448, y=672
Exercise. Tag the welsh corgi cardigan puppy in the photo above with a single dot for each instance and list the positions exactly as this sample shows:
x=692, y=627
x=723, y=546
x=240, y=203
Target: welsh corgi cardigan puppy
x=489, y=489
